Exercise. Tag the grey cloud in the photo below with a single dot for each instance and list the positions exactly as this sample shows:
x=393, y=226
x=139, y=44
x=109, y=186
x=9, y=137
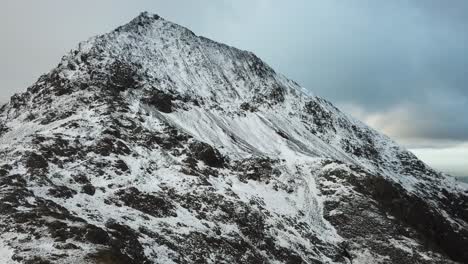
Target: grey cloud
x=412, y=123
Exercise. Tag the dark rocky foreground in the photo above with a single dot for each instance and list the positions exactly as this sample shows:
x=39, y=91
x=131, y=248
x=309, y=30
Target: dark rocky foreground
x=153, y=145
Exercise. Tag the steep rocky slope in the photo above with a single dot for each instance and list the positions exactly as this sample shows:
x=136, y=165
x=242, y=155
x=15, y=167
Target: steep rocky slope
x=150, y=144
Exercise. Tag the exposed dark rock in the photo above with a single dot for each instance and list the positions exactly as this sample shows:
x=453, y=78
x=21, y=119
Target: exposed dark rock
x=88, y=189
x=259, y=67
x=4, y=170
x=229, y=250
x=18, y=101
x=58, y=150
x=417, y=213
x=249, y=220
x=368, y=150
x=365, y=147
x=60, y=231
x=412, y=165
x=248, y=107
x=112, y=132
x=54, y=116
x=169, y=140
x=161, y=100
x=61, y=192
x=30, y=117
x=3, y=128
x=277, y=94
x=191, y=162
x=121, y=165
x=95, y=235
x=256, y=169
x=409, y=210
x=110, y=256
x=321, y=117
x=108, y=146
x=156, y=206
x=36, y=162
x=81, y=179
x=62, y=91
x=125, y=240
x=282, y=134
x=122, y=76
x=251, y=223
x=67, y=246
x=207, y=154
x=37, y=260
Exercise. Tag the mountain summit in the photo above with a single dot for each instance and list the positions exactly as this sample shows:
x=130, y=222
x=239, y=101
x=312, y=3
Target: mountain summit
x=150, y=144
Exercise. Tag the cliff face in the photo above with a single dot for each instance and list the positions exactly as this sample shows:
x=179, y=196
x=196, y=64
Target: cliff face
x=150, y=144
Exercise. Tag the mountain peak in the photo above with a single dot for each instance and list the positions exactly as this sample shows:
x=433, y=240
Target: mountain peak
x=148, y=15
x=174, y=59
x=145, y=18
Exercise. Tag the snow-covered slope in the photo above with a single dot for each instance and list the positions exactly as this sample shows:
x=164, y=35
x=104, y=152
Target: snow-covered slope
x=150, y=144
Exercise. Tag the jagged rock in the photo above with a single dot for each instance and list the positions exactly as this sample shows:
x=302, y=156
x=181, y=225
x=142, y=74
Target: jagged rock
x=3, y=129
x=257, y=169
x=88, y=189
x=61, y=192
x=108, y=146
x=162, y=101
x=36, y=162
x=207, y=154
x=125, y=244
x=248, y=107
x=122, y=77
x=146, y=203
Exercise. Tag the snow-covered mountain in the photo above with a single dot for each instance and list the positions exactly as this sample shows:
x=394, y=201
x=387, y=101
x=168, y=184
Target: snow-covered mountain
x=150, y=144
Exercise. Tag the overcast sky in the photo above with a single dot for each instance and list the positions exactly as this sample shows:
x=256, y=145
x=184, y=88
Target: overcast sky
x=400, y=66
